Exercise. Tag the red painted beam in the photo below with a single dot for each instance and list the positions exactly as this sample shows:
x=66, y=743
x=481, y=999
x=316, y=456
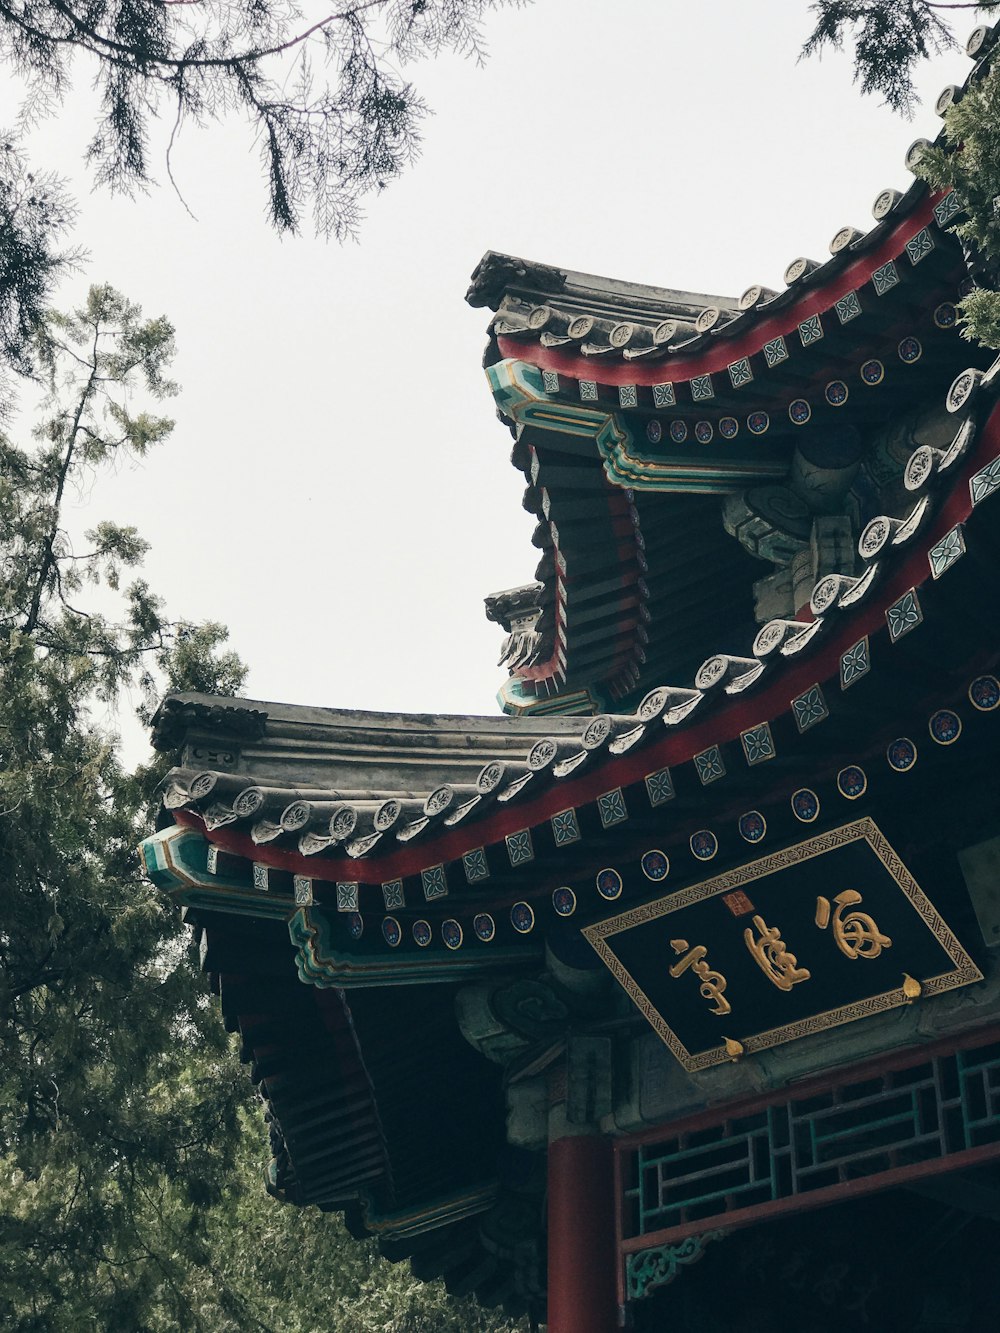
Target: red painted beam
x=717, y=356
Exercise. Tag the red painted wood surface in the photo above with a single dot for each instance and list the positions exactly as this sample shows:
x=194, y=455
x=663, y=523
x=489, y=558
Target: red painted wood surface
x=582, y=1262
x=717, y=357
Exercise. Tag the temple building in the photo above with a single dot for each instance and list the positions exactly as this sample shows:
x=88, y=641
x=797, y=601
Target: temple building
x=671, y=991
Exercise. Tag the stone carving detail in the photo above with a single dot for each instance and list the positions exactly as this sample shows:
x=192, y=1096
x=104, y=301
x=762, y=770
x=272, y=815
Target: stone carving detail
x=542, y=754
x=343, y=822
x=530, y=1009
x=597, y=732
x=248, y=802
x=490, y=777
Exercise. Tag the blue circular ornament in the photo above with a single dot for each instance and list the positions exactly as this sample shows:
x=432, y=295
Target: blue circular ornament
x=655, y=864
x=945, y=726
x=609, y=883
x=392, y=932
x=758, y=422
x=901, y=754
x=984, y=693
x=522, y=918
x=752, y=826
x=484, y=926
x=799, y=411
x=852, y=782
x=563, y=901
x=704, y=844
x=805, y=805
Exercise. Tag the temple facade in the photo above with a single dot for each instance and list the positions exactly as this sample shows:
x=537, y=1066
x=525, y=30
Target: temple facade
x=672, y=989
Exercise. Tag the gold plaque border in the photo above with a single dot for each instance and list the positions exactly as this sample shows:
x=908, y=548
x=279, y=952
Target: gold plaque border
x=859, y=830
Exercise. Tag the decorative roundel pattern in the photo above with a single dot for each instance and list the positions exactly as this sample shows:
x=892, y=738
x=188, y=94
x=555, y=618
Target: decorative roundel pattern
x=799, y=411
x=836, y=393
x=484, y=926
x=711, y=672
x=451, y=933
x=609, y=883
x=596, y=732
x=704, y=844
x=877, y=532
x=522, y=918
x=541, y=754
x=439, y=800
x=901, y=754
x=805, y=805
x=873, y=371
x=703, y=432
x=392, y=932
x=248, y=802
x=852, y=782
x=961, y=390
x=910, y=350
x=563, y=901
x=204, y=783
x=654, y=703
x=422, y=932
x=918, y=468
x=752, y=826
x=984, y=693
x=768, y=638
x=946, y=316
x=355, y=925
x=654, y=432
x=678, y=431
x=945, y=726
x=344, y=822
x=826, y=593
x=758, y=422
x=655, y=864
x=728, y=428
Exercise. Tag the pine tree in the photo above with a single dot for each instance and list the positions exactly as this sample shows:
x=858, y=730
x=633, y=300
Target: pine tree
x=323, y=144
x=889, y=37
x=131, y=1142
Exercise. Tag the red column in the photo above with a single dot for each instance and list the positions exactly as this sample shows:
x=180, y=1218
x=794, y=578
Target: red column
x=582, y=1291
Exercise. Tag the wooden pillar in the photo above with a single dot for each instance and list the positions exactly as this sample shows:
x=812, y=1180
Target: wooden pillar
x=582, y=1290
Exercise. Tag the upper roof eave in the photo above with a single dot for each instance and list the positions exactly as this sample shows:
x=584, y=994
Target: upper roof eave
x=497, y=274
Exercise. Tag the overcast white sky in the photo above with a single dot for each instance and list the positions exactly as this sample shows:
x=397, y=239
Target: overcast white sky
x=337, y=488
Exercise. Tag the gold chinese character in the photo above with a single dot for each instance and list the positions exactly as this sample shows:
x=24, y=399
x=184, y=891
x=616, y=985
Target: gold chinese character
x=712, y=983
x=772, y=957
x=856, y=934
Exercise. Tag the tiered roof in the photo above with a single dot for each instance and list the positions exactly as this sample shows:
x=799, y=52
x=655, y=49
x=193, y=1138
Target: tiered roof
x=368, y=854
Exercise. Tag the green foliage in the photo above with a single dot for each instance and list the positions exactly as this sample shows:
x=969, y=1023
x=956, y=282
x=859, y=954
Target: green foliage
x=131, y=1190
x=34, y=213
x=324, y=144
x=117, y=1089
x=305, y=1271
x=889, y=37
x=969, y=163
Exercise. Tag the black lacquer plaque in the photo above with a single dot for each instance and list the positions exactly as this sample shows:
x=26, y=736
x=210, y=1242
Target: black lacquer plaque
x=825, y=932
